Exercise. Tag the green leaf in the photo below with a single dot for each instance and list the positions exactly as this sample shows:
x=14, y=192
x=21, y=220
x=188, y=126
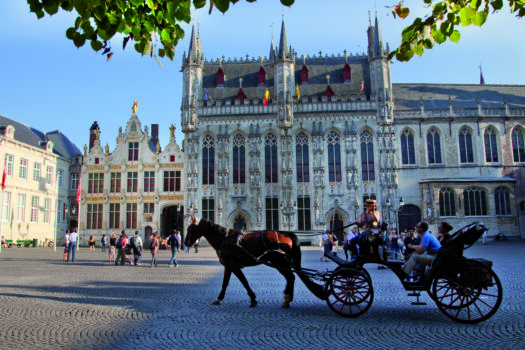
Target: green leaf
x=497, y=4
x=455, y=36
x=479, y=18
x=418, y=50
x=198, y=4
x=67, y=6
x=162, y=53
x=438, y=36
x=79, y=40
x=465, y=16
x=51, y=6
x=287, y=2
x=222, y=5
x=96, y=45
x=70, y=33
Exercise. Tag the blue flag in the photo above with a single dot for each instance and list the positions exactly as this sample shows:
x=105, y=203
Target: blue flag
x=207, y=94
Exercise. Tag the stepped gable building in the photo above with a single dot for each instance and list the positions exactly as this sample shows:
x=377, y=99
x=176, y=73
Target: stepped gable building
x=137, y=186
x=299, y=144
x=41, y=168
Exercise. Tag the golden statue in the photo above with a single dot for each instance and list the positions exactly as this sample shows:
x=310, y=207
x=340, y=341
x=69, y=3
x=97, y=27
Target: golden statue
x=172, y=130
x=107, y=149
x=135, y=106
x=85, y=150
x=158, y=147
x=97, y=134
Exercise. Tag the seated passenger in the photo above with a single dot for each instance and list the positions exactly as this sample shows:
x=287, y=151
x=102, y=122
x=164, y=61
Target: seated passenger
x=369, y=220
x=444, y=236
x=426, y=252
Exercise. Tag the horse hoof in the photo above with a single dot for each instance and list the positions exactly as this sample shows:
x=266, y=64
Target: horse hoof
x=285, y=305
x=216, y=302
x=253, y=303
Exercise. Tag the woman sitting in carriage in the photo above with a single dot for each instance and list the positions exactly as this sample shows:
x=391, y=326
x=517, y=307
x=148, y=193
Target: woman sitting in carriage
x=369, y=222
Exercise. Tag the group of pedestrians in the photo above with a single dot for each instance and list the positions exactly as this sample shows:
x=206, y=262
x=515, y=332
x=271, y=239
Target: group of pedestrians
x=70, y=246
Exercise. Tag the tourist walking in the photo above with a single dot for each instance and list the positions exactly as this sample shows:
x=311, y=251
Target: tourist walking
x=174, y=243
x=121, y=249
x=66, y=243
x=136, y=245
x=104, y=242
x=154, y=248
x=91, y=243
x=112, y=244
x=72, y=245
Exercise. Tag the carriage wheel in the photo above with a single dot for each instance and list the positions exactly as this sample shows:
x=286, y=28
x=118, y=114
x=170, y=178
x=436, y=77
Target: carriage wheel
x=349, y=292
x=467, y=291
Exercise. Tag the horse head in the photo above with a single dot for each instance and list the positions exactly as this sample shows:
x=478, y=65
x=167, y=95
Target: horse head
x=193, y=232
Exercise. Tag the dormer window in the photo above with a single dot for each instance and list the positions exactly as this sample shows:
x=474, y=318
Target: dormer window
x=220, y=77
x=261, y=76
x=241, y=95
x=347, y=73
x=304, y=74
x=97, y=160
x=329, y=93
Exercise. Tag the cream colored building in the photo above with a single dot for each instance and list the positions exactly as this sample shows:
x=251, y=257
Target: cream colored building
x=136, y=187
x=36, y=201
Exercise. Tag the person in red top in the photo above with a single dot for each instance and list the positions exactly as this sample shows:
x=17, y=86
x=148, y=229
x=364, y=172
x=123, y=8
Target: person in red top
x=121, y=249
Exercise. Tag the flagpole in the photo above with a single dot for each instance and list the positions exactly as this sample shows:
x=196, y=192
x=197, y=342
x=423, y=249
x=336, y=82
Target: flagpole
x=56, y=210
x=2, y=198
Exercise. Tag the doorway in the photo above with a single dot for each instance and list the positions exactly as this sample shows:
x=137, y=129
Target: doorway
x=409, y=215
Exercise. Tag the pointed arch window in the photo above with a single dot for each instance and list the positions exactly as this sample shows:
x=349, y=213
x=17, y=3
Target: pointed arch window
x=261, y=76
x=334, y=157
x=239, y=159
x=518, y=149
x=447, y=202
x=491, y=146
x=272, y=213
x=433, y=147
x=304, y=74
x=270, y=159
x=208, y=160
x=466, y=152
x=304, y=214
x=408, y=154
x=301, y=158
x=219, y=76
x=502, y=201
x=367, y=156
x=347, y=73
x=475, y=202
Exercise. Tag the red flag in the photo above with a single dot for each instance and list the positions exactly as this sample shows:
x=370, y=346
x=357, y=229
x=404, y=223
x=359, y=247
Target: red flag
x=362, y=85
x=79, y=191
x=266, y=95
x=4, y=175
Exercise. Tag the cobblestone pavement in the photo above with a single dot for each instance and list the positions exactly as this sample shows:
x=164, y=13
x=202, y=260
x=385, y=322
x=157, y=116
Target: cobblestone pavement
x=48, y=304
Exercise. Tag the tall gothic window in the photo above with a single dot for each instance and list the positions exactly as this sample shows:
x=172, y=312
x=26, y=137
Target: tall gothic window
x=96, y=183
x=208, y=209
x=270, y=159
x=433, y=147
x=408, y=154
x=131, y=215
x=502, y=201
x=304, y=214
x=447, y=202
x=149, y=181
x=518, y=148
x=94, y=216
x=466, y=152
x=114, y=215
x=133, y=181
x=133, y=151
x=239, y=159
x=491, y=146
x=208, y=160
x=301, y=156
x=272, y=213
x=475, y=202
x=334, y=157
x=367, y=156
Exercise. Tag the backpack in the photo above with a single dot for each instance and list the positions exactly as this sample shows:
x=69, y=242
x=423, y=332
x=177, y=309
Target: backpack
x=132, y=242
x=119, y=243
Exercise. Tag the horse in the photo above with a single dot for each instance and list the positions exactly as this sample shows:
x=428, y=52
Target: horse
x=236, y=250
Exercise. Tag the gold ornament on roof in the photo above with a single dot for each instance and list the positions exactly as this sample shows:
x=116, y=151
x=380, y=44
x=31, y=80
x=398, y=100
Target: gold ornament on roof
x=172, y=130
x=135, y=106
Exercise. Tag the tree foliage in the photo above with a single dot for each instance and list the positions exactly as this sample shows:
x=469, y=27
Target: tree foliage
x=154, y=25
x=444, y=22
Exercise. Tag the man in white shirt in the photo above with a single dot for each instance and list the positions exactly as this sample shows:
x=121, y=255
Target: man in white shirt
x=72, y=246
x=136, y=244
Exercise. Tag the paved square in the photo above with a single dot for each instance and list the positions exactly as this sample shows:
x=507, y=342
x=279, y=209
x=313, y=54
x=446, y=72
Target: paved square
x=91, y=304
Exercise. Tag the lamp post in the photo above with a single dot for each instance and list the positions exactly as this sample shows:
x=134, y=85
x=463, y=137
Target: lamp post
x=288, y=211
x=388, y=206
x=401, y=205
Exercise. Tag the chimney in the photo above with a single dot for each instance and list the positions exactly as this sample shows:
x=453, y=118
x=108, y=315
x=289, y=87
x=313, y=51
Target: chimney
x=154, y=132
x=92, y=135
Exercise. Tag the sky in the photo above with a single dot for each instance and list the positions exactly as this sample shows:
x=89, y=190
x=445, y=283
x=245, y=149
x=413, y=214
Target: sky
x=49, y=84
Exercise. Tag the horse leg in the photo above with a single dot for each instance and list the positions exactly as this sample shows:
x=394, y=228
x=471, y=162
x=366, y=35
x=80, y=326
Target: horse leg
x=244, y=281
x=288, y=290
x=225, y=282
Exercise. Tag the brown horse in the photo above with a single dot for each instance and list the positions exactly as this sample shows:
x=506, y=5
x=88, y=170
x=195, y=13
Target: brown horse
x=237, y=250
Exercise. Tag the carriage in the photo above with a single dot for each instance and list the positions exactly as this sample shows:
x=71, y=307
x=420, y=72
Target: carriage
x=465, y=290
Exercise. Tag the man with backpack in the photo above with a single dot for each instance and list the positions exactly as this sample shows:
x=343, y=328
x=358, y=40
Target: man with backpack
x=174, y=243
x=136, y=245
x=121, y=249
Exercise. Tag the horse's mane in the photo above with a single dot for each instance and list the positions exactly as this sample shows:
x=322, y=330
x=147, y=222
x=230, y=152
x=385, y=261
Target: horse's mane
x=213, y=226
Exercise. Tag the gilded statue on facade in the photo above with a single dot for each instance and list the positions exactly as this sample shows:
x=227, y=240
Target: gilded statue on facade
x=135, y=106
x=172, y=130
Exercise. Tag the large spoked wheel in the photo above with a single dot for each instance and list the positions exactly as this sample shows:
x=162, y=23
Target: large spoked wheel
x=349, y=292
x=467, y=291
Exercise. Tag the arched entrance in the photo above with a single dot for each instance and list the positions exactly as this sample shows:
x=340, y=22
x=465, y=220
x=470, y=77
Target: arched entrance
x=171, y=218
x=408, y=217
x=239, y=223
x=336, y=222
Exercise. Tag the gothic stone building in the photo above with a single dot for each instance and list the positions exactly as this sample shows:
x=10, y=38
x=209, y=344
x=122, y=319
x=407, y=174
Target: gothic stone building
x=136, y=187
x=300, y=143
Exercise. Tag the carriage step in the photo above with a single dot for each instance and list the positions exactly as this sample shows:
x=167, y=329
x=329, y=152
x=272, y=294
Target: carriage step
x=417, y=295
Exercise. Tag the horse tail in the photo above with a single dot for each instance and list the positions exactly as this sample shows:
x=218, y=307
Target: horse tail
x=316, y=289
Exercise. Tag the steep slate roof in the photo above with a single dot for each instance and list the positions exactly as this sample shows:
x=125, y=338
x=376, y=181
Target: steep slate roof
x=436, y=96
x=318, y=68
x=33, y=137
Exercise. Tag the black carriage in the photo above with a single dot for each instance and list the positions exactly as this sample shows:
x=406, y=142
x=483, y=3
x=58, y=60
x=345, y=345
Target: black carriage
x=465, y=290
